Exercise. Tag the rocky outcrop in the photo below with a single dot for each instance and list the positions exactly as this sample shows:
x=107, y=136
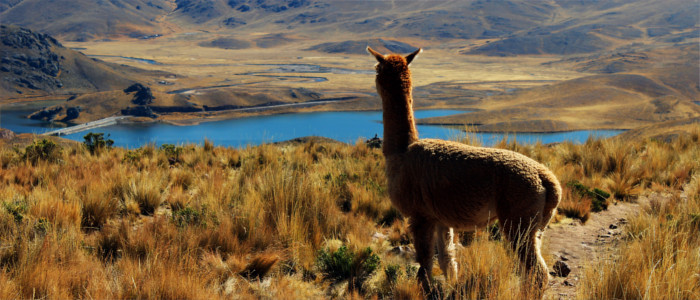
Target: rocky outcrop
x=273, y=6
x=6, y=134
x=142, y=94
x=17, y=37
x=561, y=269
x=46, y=114
x=28, y=59
x=200, y=11
x=72, y=113
x=233, y=22
x=35, y=63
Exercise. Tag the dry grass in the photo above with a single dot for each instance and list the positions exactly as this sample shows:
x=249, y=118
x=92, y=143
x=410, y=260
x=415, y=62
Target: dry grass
x=660, y=258
x=574, y=206
x=221, y=222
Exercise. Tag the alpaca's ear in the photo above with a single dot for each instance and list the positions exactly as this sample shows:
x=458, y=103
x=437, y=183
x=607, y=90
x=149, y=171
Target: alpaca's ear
x=377, y=55
x=410, y=57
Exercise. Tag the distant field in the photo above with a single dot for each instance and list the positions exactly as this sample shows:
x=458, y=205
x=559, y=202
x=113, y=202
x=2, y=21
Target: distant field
x=208, y=74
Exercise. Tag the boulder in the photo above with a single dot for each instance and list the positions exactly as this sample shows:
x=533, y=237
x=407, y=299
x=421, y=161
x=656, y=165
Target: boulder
x=561, y=269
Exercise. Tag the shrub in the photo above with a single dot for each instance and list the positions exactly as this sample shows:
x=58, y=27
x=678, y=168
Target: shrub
x=131, y=156
x=17, y=209
x=599, y=198
x=44, y=149
x=344, y=264
x=392, y=273
x=172, y=152
x=95, y=142
x=190, y=216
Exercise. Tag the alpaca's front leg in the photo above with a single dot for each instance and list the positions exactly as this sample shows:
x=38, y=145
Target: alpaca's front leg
x=423, y=231
x=446, y=252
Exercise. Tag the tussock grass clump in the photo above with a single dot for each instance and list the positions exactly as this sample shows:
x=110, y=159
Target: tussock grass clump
x=97, y=208
x=96, y=142
x=574, y=205
x=260, y=266
x=146, y=191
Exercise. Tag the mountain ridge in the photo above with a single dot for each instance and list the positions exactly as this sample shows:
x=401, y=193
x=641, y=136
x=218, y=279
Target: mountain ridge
x=547, y=27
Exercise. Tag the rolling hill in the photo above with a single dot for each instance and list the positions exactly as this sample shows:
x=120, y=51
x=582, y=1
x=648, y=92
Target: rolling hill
x=82, y=20
x=36, y=64
x=646, y=94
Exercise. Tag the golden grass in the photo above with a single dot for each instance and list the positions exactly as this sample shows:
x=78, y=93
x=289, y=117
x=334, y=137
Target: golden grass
x=250, y=223
x=660, y=258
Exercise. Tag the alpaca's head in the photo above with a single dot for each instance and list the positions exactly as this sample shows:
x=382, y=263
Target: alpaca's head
x=393, y=75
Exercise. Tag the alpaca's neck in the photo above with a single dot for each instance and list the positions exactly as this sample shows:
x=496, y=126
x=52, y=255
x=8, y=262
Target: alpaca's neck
x=399, y=125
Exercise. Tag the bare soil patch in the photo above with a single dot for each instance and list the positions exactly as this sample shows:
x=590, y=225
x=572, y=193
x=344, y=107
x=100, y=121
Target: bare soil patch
x=578, y=245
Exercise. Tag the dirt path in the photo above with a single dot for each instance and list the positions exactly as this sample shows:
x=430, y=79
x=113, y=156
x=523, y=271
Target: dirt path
x=577, y=245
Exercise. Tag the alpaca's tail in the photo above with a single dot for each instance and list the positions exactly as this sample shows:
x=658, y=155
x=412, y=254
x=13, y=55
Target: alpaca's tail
x=550, y=183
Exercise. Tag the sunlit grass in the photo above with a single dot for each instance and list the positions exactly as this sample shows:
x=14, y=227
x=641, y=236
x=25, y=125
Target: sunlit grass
x=213, y=222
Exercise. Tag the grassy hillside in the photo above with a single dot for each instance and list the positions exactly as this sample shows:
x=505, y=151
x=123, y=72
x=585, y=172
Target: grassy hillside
x=649, y=87
x=307, y=220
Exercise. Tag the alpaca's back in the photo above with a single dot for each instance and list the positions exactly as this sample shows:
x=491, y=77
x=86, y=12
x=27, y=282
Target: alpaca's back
x=465, y=186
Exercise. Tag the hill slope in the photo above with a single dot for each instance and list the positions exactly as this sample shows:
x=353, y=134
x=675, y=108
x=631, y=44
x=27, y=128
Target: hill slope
x=81, y=20
x=37, y=64
x=511, y=27
x=610, y=101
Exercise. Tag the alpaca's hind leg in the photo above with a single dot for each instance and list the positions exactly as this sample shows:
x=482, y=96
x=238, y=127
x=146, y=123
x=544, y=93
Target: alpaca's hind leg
x=446, y=251
x=423, y=231
x=525, y=241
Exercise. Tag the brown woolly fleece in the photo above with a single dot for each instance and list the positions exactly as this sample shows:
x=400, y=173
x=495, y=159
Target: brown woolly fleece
x=443, y=185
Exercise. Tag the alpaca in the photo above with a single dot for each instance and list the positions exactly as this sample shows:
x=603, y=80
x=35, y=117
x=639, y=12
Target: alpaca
x=441, y=185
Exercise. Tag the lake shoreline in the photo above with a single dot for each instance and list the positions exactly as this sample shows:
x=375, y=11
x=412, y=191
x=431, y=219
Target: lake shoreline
x=186, y=119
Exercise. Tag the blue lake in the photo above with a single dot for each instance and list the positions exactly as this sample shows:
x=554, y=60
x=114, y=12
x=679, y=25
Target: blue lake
x=342, y=126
